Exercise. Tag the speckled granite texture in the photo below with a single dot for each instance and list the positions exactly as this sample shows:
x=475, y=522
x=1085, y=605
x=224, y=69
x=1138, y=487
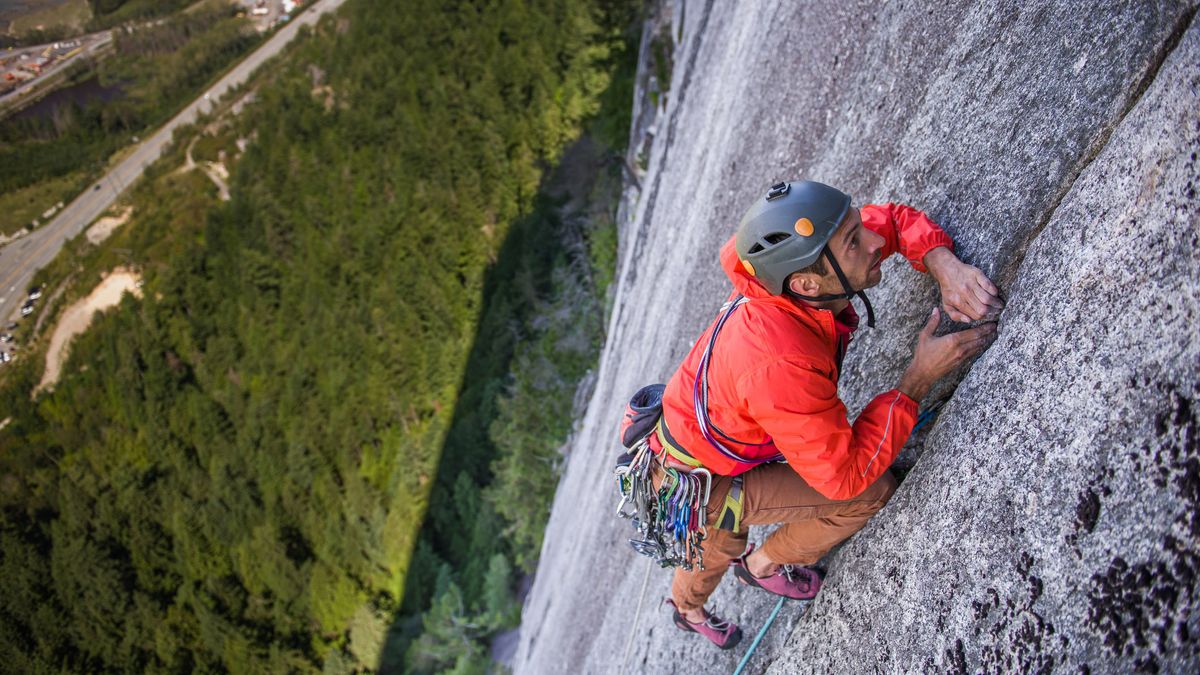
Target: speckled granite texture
x=1049, y=521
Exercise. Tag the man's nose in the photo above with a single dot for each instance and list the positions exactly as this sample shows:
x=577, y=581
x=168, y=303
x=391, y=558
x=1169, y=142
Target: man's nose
x=877, y=241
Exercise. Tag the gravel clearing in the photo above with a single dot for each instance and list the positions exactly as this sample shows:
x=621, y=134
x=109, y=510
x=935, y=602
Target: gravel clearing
x=78, y=317
x=103, y=228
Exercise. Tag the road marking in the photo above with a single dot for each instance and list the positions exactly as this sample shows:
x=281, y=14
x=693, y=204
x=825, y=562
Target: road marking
x=22, y=265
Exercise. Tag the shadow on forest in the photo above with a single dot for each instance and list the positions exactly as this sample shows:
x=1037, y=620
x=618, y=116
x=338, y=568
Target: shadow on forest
x=461, y=531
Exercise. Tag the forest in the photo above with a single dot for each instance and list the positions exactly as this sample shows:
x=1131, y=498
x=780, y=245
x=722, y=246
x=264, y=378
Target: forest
x=325, y=438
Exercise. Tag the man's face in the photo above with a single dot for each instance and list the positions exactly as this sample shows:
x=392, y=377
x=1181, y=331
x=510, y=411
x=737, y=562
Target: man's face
x=859, y=252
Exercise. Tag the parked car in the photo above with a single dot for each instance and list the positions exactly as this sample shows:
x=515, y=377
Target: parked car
x=7, y=337
x=5, y=357
x=11, y=327
x=35, y=292
x=27, y=308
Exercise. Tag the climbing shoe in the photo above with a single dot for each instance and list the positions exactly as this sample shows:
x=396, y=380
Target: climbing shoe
x=791, y=581
x=724, y=634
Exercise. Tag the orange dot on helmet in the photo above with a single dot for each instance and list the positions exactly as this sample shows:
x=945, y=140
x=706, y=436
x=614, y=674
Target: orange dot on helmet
x=804, y=227
x=748, y=267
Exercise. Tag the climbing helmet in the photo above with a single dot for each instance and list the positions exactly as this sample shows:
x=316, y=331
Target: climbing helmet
x=787, y=230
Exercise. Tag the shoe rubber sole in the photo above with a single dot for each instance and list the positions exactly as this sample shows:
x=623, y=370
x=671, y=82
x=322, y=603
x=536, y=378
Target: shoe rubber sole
x=746, y=577
x=734, y=638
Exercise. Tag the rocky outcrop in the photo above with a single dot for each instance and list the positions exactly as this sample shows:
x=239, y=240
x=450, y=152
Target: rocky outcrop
x=1049, y=521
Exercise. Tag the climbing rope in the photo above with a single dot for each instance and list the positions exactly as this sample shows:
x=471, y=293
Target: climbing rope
x=928, y=415
x=636, y=617
x=758, y=638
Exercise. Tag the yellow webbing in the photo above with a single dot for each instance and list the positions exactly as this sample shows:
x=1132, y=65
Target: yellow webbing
x=673, y=451
x=732, y=507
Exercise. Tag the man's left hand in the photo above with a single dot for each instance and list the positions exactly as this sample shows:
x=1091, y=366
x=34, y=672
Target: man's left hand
x=967, y=294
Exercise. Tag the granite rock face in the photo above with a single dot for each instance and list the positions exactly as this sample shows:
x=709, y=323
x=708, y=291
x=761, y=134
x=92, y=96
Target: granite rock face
x=1053, y=521
x=1050, y=519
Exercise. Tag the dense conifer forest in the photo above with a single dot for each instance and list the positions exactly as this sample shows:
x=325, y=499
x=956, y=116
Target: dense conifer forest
x=325, y=437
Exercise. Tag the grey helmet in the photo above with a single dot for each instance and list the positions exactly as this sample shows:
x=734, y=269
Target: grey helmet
x=789, y=230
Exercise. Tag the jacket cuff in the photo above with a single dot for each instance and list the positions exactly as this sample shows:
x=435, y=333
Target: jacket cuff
x=906, y=403
x=939, y=238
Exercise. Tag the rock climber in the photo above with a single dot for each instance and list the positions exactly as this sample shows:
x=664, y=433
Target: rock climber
x=768, y=388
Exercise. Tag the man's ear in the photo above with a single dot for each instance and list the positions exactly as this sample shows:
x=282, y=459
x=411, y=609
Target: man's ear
x=803, y=283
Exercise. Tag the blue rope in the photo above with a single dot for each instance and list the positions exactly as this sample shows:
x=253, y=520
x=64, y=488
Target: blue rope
x=928, y=415
x=758, y=638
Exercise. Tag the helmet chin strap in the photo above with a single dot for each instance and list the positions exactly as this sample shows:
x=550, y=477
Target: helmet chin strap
x=850, y=292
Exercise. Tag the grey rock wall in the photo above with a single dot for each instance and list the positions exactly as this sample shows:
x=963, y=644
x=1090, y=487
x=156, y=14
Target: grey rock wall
x=1050, y=519
x=1052, y=522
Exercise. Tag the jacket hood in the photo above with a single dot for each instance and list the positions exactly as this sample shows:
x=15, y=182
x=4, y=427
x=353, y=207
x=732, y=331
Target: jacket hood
x=743, y=282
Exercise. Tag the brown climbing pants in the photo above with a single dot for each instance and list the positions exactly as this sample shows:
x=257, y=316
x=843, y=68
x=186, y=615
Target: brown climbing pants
x=774, y=493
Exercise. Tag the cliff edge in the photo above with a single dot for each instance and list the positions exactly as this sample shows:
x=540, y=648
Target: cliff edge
x=1049, y=521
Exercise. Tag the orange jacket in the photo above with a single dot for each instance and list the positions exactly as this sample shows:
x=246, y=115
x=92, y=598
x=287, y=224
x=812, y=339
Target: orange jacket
x=773, y=378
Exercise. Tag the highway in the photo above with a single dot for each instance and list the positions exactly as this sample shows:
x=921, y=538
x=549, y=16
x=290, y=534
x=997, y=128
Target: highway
x=20, y=259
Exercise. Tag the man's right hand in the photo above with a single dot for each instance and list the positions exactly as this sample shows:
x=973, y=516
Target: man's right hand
x=935, y=357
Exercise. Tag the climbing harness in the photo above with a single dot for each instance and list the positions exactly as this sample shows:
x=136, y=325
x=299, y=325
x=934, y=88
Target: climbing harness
x=671, y=519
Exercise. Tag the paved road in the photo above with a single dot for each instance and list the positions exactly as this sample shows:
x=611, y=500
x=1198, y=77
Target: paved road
x=21, y=258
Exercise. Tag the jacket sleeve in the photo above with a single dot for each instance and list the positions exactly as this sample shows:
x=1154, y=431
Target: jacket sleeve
x=907, y=231
x=799, y=408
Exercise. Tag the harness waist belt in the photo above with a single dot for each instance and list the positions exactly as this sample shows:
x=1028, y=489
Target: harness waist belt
x=671, y=447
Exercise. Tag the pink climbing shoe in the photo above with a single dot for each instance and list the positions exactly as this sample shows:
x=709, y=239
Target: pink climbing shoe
x=724, y=634
x=791, y=581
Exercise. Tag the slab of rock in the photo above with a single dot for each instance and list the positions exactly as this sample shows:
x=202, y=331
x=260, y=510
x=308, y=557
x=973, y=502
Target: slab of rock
x=982, y=116
x=1053, y=522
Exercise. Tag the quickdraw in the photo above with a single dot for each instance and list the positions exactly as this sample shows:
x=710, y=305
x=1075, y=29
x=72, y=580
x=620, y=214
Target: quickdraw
x=670, y=520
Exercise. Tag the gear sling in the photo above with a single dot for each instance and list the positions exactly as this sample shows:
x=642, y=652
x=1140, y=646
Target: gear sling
x=670, y=520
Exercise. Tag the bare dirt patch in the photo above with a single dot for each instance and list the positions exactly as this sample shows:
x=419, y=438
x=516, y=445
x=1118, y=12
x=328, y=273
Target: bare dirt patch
x=78, y=317
x=104, y=227
x=215, y=171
